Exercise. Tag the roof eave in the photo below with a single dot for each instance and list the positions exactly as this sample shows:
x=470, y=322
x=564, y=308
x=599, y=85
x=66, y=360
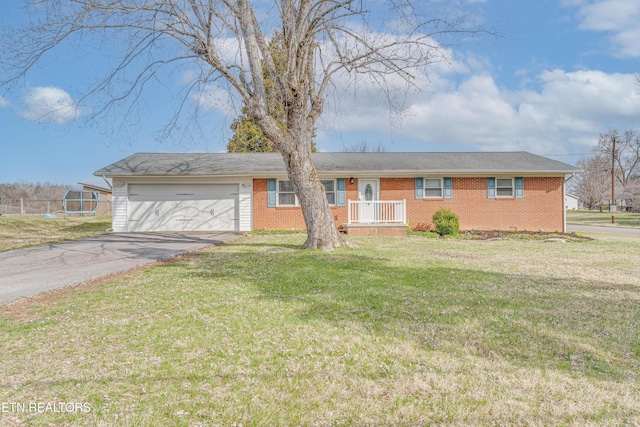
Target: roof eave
x=365, y=173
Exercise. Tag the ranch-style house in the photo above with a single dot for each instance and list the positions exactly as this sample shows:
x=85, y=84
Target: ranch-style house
x=369, y=193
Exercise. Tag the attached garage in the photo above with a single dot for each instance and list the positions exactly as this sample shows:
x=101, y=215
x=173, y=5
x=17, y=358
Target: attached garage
x=183, y=207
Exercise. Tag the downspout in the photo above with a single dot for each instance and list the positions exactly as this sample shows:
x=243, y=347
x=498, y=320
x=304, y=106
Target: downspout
x=564, y=197
x=107, y=181
x=111, y=187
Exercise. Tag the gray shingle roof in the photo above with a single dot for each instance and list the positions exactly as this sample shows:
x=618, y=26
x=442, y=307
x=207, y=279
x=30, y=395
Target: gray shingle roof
x=380, y=164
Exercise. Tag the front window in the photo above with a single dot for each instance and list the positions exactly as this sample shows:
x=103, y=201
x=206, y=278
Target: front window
x=504, y=187
x=330, y=190
x=287, y=197
x=432, y=188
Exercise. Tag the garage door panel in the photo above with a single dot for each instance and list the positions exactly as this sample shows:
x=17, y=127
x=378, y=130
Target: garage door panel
x=144, y=192
x=183, y=207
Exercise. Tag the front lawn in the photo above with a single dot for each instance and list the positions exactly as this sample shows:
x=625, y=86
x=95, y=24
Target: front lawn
x=402, y=331
x=622, y=219
x=24, y=231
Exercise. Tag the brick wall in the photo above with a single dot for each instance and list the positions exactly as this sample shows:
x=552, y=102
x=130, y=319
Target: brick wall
x=541, y=208
x=285, y=218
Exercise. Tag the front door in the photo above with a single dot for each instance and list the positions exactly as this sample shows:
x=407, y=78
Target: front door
x=367, y=192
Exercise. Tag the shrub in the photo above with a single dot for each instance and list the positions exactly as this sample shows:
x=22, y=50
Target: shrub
x=446, y=222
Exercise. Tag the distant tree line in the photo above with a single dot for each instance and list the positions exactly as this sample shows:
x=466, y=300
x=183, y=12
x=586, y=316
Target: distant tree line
x=32, y=191
x=593, y=184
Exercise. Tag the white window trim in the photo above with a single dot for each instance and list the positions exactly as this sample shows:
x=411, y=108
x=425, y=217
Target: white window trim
x=513, y=187
x=424, y=187
x=335, y=190
x=297, y=202
x=278, y=193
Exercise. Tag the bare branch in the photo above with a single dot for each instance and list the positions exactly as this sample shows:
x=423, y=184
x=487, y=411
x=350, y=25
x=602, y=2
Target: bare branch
x=228, y=41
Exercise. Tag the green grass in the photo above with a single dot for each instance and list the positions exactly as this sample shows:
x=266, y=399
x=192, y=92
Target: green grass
x=622, y=219
x=24, y=231
x=402, y=331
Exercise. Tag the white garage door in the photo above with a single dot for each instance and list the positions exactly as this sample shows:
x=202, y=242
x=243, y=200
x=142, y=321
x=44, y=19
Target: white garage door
x=183, y=207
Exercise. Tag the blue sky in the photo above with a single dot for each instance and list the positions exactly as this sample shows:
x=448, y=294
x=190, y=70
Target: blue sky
x=563, y=72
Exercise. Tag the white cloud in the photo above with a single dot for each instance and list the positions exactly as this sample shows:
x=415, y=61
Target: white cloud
x=619, y=18
x=217, y=98
x=556, y=111
x=592, y=95
x=565, y=115
x=461, y=107
x=50, y=105
x=3, y=102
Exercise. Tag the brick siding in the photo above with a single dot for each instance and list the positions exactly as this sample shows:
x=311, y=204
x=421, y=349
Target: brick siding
x=290, y=217
x=541, y=208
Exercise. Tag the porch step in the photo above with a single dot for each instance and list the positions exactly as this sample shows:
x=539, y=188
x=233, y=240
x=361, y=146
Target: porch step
x=375, y=229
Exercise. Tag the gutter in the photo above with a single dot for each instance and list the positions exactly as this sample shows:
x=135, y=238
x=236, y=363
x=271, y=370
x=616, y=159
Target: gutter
x=360, y=173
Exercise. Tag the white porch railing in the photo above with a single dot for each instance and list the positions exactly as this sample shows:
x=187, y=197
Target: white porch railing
x=377, y=212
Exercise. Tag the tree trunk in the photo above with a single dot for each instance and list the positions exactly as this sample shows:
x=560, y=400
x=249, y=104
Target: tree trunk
x=321, y=229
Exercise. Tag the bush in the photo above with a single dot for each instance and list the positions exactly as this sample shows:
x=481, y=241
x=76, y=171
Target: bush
x=446, y=222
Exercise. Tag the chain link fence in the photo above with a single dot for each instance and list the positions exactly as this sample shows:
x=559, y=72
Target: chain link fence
x=38, y=207
x=30, y=207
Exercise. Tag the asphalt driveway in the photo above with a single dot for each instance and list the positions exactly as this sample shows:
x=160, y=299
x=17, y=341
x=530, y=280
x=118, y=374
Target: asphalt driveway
x=28, y=272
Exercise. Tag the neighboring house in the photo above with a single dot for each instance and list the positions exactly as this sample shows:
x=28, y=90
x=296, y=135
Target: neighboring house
x=370, y=193
x=104, y=198
x=571, y=202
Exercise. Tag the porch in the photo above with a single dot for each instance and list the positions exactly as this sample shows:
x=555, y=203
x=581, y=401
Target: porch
x=376, y=218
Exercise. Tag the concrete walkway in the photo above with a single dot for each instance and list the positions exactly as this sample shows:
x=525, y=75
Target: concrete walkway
x=627, y=231
x=28, y=272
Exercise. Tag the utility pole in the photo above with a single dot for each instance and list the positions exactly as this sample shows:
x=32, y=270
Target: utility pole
x=612, y=205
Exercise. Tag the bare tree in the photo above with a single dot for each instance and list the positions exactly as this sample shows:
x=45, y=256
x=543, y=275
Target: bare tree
x=229, y=41
x=10, y=192
x=624, y=151
x=593, y=184
x=364, y=147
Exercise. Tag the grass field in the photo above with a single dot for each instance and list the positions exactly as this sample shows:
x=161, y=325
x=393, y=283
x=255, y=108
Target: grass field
x=622, y=219
x=24, y=231
x=402, y=331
